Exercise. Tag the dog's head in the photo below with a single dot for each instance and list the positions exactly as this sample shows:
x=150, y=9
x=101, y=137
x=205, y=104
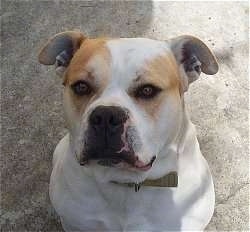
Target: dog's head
x=123, y=97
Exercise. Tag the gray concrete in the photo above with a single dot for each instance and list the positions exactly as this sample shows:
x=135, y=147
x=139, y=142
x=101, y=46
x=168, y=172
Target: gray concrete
x=32, y=118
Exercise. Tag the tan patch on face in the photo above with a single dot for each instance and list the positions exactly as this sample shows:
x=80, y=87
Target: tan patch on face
x=78, y=65
x=91, y=64
x=163, y=73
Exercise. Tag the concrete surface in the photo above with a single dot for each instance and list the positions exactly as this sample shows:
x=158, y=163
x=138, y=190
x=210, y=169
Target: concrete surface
x=32, y=118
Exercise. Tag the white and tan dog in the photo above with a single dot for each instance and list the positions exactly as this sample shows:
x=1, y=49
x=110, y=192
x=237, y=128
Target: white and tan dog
x=123, y=101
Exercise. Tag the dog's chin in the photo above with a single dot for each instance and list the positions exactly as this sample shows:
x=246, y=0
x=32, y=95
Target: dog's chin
x=122, y=172
x=138, y=166
x=130, y=163
x=114, y=169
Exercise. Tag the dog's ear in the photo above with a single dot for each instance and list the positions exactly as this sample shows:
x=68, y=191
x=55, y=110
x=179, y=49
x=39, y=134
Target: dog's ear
x=193, y=57
x=60, y=49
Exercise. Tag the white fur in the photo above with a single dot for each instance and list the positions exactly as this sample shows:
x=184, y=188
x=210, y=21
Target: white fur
x=85, y=198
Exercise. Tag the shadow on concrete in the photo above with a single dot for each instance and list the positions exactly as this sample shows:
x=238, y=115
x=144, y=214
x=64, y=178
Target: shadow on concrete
x=225, y=55
x=32, y=115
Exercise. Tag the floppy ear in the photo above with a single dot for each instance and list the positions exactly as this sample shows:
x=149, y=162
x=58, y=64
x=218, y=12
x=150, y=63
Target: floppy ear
x=193, y=57
x=60, y=49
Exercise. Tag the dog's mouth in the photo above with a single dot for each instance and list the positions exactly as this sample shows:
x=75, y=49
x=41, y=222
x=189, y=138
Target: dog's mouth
x=126, y=162
x=111, y=140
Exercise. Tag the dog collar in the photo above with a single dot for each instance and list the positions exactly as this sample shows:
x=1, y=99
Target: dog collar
x=169, y=180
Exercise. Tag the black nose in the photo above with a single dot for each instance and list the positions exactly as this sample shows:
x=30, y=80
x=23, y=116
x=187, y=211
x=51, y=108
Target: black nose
x=107, y=117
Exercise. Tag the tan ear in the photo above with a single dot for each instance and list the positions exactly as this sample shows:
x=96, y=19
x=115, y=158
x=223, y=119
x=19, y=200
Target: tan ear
x=193, y=57
x=60, y=49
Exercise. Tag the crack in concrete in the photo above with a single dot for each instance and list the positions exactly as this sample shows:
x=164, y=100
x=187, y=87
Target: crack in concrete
x=223, y=201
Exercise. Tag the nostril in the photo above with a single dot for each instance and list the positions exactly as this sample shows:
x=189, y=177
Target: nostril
x=114, y=121
x=97, y=120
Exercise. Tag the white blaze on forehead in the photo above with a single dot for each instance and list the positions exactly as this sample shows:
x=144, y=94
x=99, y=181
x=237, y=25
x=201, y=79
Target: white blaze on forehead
x=129, y=55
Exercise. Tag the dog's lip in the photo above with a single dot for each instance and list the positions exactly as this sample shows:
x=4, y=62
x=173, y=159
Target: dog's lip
x=142, y=166
x=139, y=165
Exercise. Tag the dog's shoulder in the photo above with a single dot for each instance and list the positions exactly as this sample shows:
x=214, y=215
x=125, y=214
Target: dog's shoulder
x=61, y=148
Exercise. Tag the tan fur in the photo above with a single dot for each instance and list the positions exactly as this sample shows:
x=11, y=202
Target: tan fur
x=91, y=60
x=88, y=49
x=161, y=72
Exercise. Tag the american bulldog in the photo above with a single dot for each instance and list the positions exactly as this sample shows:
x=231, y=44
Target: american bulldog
x=131, y=160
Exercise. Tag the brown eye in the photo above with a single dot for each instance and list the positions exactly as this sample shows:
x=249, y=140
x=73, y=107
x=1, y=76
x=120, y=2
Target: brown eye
x=81, y=88
x=147, y=91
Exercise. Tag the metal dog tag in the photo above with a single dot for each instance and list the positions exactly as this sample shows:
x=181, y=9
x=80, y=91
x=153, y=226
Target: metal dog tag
x=137, y=187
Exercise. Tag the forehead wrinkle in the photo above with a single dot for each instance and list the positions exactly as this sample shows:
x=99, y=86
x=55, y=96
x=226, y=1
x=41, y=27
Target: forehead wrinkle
x=138, y=78
x=129, y=55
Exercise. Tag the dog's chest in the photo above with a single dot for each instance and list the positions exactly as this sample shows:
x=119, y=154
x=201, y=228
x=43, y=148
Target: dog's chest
x=92, y=206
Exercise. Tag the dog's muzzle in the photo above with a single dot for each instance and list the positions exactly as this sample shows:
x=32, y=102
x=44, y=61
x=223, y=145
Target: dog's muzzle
x=108, y=138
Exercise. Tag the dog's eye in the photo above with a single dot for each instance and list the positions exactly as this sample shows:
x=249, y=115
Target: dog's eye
x=81, y=88
x=147, y=91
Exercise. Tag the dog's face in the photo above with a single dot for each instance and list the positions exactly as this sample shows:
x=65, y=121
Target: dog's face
x=123, y=97
x=118, y=95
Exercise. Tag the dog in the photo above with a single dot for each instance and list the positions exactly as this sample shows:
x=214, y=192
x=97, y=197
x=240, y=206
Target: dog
x=129, y=134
